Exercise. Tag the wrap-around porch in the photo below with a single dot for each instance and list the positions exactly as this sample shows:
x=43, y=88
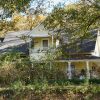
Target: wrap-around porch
x=81, y=69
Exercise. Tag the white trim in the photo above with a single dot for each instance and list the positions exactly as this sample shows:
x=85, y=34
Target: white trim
x=52, y=41
x=87, y=70
x=91, y=60
x=69, y=70
x=57, y=43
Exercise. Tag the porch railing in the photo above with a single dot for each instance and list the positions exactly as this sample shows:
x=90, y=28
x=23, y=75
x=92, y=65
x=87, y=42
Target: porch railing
x=41, y=50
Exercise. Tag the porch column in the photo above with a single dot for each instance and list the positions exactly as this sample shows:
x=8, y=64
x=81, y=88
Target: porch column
x=30, y=47
x=69, y=71
x=52, y=41
x=50, y=65
x=87, y=70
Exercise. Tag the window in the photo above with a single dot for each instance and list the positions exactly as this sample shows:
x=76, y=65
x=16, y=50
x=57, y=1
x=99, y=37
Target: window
x=45, y=43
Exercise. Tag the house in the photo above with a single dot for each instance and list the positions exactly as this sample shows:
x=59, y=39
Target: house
x=84, y=60
x=42, y=41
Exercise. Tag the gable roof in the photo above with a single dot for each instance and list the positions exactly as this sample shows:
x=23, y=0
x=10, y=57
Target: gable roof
x=80, y=50
x=14, y=42
x=39, y=31
x=86, y=45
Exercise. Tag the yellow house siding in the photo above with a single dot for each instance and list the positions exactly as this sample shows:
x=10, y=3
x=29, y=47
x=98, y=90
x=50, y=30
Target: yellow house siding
x=60, y=65
x=64, y=65
x=82, y=65
x=38, y=41
x=79, y=65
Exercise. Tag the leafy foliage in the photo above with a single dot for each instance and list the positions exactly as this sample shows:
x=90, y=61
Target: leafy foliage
x=75, y=20
x=9, y=6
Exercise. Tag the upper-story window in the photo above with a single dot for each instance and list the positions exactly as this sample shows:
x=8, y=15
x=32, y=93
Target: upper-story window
x=45, y=44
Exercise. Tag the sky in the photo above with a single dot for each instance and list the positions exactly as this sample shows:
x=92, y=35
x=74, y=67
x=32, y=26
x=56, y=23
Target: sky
x=66, y=1
x=53, y=3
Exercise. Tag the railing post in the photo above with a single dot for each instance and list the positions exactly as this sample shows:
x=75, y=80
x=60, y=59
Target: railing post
x=52, y=41
x=69, y=71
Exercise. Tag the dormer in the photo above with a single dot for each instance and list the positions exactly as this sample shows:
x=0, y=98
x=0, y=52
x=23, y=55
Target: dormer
x=42, y=42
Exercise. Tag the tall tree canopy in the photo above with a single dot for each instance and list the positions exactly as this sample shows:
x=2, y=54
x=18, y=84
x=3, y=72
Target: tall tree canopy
x=76, y=18
x=8, y=8
x=75, y=21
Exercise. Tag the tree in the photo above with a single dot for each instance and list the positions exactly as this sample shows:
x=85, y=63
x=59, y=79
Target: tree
x=89, y=14
x=21, y=22
x=5, y=26
x=62, y=20
x=18, y=21
x=75, y=21
x=13, y=8
x=33, y=21
x=9, y=6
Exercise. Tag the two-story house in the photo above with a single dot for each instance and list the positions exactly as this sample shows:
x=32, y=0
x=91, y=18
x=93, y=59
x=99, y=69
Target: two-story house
x=86, y=60
x=42, y=41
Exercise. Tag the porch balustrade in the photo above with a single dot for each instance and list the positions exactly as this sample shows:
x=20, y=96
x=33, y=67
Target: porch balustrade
x=79, y=74
x=39, y=50
x=42, y=50
x=82, y=73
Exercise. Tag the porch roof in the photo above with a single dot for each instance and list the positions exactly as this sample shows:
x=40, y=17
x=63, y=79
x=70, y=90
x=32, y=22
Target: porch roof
x=79, y=59
x=39, y=31
x=86, y=45
x=38, y=34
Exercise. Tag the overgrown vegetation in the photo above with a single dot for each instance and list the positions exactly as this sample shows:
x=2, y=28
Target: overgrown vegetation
x=22, y=79
x=44, y=91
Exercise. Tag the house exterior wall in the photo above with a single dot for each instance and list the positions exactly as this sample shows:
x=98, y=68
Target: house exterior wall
x=64, y=65
x=37, y=51
x=79, y=66
x=60, y=65
x=38, y=41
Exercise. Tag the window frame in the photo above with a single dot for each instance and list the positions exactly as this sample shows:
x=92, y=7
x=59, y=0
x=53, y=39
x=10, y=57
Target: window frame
x=43, y=40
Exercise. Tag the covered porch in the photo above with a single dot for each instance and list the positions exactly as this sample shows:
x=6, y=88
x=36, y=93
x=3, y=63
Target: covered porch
x=81, y=69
